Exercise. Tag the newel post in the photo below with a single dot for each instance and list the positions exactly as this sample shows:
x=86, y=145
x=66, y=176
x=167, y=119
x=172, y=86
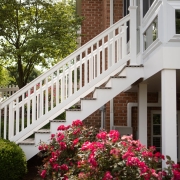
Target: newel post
x=133, y=31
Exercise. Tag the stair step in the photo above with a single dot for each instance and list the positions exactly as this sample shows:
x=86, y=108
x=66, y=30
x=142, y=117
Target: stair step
x=113, y=77
x=29, y=141
x=55, y=123
x=117, y=77
x=57, y=120
x=43, y=131
x=88, y=98
x=135, y=65
x=102, y=88
x=72, y=109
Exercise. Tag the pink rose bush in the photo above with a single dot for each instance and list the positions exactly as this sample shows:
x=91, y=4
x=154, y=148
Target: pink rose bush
x=80, y=153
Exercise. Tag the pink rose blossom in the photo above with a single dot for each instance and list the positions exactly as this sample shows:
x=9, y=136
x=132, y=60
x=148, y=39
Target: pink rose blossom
x=64, y=167
x=77, y=123
x=43, y=173
x=101, y=135
x=107, y=176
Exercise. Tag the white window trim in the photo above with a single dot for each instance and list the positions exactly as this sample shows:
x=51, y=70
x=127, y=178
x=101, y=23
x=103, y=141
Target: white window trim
x=159, y=112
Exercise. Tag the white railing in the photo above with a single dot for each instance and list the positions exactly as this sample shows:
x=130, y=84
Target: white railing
x=31, y=106
x=6, y=92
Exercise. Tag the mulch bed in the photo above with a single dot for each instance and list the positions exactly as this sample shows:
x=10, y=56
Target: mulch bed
x=32, y=165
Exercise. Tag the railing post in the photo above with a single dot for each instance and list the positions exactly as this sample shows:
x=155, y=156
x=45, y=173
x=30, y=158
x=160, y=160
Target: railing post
x=133, y=31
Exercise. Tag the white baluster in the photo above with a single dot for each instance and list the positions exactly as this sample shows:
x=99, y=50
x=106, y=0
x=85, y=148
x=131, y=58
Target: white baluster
x=28, y=108
x=85, y=68
x=80, y=81
x=5, y=122
x=11, y=121
x=22, y=125
x=46, y=92
x=34, y=104
x=124, y=41
x=57, y=88
x=17, y=115
x=98, y=60
x=113, y=48
x=75, y=74
x=63, y=84
x=41, y=100
x=52, y=91
x=103, y=56
x=109, y=51
x=70, y=79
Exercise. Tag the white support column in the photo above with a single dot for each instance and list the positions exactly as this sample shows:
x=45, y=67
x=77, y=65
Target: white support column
x=142, y=113
x=111, y=101
x=169, y=116
x=133, y=32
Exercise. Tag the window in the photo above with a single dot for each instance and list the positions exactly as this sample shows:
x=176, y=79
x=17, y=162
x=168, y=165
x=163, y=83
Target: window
x=156, y=139
x=146, y=5
x=177, y=13
x=126, y=6
x=156, y=131
x=151, y=34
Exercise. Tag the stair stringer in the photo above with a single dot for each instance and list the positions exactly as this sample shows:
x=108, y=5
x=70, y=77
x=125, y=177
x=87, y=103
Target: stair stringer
x=102, y=96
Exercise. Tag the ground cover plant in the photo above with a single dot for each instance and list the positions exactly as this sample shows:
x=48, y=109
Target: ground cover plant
x=77, y=152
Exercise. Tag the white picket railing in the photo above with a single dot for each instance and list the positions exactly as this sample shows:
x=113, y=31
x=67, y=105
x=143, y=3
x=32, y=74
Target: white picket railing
x=6, y=92
x=31, y=107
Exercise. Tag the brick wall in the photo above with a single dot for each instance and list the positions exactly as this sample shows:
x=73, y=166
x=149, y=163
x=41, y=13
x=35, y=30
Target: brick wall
x=93, y=19
x=96, y=15
x=118, y=10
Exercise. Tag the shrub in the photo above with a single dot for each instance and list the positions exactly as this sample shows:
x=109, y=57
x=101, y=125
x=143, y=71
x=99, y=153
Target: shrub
x=12, y=161
x=77, y=152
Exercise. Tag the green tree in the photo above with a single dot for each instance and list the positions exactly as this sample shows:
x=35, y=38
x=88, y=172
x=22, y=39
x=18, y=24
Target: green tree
x=36, y=32
x=5, y=78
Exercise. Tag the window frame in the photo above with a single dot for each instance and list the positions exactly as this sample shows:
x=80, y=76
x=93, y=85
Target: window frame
x=176, y=22
x=178, y=131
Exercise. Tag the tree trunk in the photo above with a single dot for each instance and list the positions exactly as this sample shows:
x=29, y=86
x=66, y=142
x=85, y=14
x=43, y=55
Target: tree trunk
x=20, y=73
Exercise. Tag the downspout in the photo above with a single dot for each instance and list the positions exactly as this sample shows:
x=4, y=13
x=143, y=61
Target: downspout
x=112, y=100
x=103, y=122
x=111, y=12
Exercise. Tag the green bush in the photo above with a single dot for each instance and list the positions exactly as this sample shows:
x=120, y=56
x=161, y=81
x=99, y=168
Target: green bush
x=13, y=165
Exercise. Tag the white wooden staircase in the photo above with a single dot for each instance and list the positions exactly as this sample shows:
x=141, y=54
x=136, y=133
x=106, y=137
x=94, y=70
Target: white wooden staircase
x=100, y=66
x=101, y=95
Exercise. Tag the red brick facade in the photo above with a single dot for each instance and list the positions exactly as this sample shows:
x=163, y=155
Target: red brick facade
x=96, y=15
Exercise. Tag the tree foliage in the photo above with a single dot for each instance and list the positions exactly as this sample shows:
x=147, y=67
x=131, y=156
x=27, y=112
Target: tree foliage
x=36, y=32
x=5, y=78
